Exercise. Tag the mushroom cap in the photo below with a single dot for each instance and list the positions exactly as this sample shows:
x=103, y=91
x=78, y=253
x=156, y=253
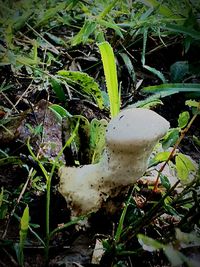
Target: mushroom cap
x=135, y=127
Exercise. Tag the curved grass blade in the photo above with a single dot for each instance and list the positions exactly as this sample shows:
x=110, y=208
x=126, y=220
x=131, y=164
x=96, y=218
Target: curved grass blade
x=129, y=65
x=160, y=8
x=143, y=59
x=84, y=33
x=182, y=29
x=173, y=88
x=60, y=112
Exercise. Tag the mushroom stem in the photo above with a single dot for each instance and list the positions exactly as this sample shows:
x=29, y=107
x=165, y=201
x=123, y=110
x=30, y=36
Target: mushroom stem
x=130, y=139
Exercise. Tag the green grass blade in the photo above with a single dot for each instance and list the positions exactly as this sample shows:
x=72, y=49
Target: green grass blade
x=143, y=59
x=122, y=218
x=129, y=66
x=60, y=112
x=24, y=224
x=173, y=88
x=107, y=9
x=68, y=224
x=182, y=29
x=110, y=72
x=84, y=33
x=156, y=72
x=162, y=9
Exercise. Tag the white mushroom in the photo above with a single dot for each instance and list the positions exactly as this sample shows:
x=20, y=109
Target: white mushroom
x=130, y=139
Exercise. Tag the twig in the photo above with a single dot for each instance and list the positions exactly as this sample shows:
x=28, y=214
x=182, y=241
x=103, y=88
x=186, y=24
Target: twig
x=24, y=93
x=10, y=102
x=2, y=264
x=53, y=48
x=11, y=258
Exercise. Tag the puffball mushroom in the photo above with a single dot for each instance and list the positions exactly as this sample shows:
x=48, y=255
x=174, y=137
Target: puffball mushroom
x=130, y=139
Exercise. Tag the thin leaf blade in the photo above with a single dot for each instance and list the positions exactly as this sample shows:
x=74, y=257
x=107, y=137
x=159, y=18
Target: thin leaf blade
x=110, y=72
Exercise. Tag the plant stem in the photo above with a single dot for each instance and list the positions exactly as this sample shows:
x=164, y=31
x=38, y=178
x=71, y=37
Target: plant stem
x=48, y=195
x=48, y=199
x=147, y=218
x=58, y=229
x=183, y=133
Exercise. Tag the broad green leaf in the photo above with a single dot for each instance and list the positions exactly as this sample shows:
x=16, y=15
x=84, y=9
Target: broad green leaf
x=57, y=88
x=182, y=170
x=172, y=88
x=97, y=138
x=83, y=35
x=188, y=162
x=179, y=70
x=110, y=73
x=86, y=83
x=59, y=111
x=183, y=119
x=128, y=65
x=148, y=243
x=160, y=157
x=184, y=166
x=192, y=103
x=170, y=138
